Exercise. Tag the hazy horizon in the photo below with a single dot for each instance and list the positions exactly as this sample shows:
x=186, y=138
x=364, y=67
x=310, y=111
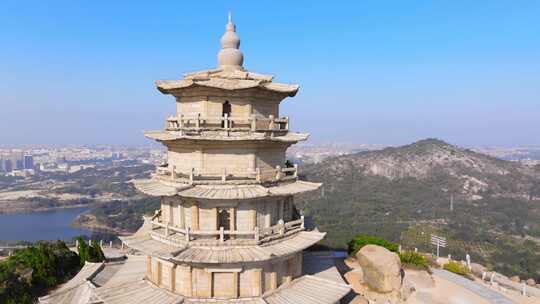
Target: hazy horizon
x=467, y=73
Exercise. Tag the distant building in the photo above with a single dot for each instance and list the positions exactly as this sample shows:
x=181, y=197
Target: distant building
x=8, y=165
x=28, y=162
x=19, y=164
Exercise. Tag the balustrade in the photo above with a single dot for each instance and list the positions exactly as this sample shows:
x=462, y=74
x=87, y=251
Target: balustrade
x=257, y=235
x=252, y=124
x=257, y=175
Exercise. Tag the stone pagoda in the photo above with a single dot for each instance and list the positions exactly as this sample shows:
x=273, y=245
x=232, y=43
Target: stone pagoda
x=228, y=229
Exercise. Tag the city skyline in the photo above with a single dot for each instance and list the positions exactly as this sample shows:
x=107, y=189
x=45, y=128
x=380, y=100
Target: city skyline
x=463, y=72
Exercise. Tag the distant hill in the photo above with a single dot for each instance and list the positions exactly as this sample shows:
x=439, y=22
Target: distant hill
x=392, y=191
x=459, y=171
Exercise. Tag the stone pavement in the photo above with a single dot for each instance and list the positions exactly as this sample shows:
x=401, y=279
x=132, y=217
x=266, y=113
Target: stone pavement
x=488, y=294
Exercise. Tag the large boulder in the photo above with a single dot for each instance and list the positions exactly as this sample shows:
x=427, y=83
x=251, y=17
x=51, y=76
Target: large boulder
x=380, y=267
x=531, y=282
x=478, y=269
x=515, y=279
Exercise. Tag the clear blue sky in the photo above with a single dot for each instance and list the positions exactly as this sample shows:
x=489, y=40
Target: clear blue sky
x=387, y=72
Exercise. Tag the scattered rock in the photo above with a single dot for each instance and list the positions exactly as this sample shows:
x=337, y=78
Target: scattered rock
x=515, y=278
x=531, y=282
x=477, y=269
x=381, y=268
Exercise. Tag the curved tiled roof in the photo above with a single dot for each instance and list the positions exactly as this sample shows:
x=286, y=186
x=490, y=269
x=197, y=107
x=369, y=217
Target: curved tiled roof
x=224, y=254
x=226, y=80
x=158, y=188
x=164, y=135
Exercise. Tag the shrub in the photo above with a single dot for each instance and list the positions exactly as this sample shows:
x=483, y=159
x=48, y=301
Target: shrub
x=30, y=271
x=457, y=268
x=362, y=240
x=414, y=260
x=89, y=253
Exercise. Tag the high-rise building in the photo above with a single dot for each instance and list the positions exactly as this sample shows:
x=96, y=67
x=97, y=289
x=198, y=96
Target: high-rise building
x=28, y=162
x=8, y=165
x=228, y=230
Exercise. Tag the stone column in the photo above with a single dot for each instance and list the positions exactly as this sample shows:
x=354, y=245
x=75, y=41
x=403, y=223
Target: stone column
x=281, y=204
x=291, y=265
x=232, y=212
x=158, y=279
x=195, y=217
x=256, y=282
x=273, y=280
x=189, y=282
x=211, y=278
x=173, y=278
x=253, y=218
x=149, y=267
x=181, y=216
x=235, y=284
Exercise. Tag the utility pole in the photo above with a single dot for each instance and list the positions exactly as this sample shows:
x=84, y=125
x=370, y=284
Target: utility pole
x=451, y=202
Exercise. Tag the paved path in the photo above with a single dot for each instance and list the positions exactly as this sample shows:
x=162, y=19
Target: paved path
x=486, y=293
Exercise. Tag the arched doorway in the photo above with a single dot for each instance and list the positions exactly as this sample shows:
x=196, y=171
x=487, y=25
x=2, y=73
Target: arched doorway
x=226, y=109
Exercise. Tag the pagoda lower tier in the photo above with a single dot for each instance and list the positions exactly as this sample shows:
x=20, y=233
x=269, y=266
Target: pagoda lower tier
x=222, y=269
x=224, y=240
x=125, y=282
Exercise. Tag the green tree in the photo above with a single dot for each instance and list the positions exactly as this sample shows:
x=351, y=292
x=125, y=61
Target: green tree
x=30, y=271
x=89, y=253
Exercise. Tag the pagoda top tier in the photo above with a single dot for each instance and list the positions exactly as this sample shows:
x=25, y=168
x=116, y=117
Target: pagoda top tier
x=226, y=79
x=230, y=73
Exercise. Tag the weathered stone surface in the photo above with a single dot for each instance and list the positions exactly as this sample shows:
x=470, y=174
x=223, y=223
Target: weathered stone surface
x=515, y=279
x=380, y=267
x=531, y=282
x=478, y=269
x=407, y=289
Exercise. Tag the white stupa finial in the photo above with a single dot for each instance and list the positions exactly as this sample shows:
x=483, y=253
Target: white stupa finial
x=230, y=56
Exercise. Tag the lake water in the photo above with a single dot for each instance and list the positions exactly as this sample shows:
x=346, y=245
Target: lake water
x=44, y=225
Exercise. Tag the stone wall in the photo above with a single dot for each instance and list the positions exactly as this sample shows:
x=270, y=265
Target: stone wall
x=245, y=215
x=234, y=157
x=224, y=281
x=208, y=102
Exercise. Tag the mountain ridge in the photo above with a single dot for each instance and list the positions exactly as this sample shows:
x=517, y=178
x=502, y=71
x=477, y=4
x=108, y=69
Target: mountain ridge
x=471, y=173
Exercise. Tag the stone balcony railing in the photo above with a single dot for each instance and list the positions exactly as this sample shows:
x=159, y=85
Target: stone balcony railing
x=173, y=234
x=197, y=123
x=224, y=176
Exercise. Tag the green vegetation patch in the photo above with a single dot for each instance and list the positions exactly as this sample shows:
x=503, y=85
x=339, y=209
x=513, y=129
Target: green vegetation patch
x=457, y=268
x=89, y=252
x=362, y=240
x=414, y=260
x=29, y=272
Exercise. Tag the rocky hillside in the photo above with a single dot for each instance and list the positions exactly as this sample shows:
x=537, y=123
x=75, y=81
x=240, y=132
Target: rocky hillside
x=458, y=170
x=404, y=194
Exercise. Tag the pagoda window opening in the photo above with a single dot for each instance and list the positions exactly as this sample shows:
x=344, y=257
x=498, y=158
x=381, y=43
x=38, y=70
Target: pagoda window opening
x=226, y=109
x=224, y=219
x=287, y=210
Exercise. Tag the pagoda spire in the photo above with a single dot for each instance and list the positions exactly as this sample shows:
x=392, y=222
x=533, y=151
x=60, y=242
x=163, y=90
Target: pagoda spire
x=230, y=56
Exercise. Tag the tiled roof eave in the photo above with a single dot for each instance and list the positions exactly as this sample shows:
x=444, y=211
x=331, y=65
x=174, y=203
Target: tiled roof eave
x=171, y=86
x=163, y=135
x=155, y=187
